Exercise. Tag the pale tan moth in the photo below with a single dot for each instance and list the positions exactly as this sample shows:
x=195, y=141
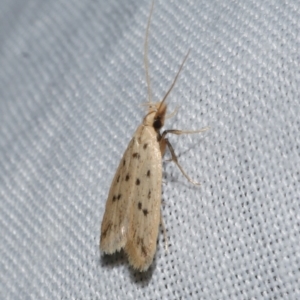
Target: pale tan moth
x=132, y=213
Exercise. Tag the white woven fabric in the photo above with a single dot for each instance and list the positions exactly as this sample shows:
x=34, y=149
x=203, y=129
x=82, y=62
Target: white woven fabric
x=71, y=85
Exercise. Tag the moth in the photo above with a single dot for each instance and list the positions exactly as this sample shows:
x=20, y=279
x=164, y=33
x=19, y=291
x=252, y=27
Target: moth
x=133, y=208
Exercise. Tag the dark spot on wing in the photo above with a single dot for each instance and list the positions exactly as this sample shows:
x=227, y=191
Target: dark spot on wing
x=105, y=231
x=148, y=173
x=149, y=194
x=137, y=182
x=124, y=162
x=145, y=211
x=140, y=242
x=144, y=251
x=119, y=196
x=139, y=205
x=114, y=198
x=127, y=177
x=136, y=155
x=145, y=146
x=118, y=178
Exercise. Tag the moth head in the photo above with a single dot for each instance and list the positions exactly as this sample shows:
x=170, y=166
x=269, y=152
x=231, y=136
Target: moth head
x=156, y=115
x=159, y=118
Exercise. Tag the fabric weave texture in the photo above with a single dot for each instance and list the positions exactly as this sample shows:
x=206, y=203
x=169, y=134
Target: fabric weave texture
x=72, y=85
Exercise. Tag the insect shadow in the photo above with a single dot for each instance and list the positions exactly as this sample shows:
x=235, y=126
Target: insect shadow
x=110, y=261
x=142, y=278
x=119, y=258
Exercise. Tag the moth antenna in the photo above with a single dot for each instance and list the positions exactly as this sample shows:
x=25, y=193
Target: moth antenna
x=175, y=79
x=146, y=62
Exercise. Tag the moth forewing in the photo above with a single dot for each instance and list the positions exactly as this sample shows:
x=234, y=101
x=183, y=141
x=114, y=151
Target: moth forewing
x=115, y=221
x=144, y=226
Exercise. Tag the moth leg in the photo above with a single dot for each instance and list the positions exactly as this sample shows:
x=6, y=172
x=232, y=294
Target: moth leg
x=180, y=132
x=164, y=231
x=175, y=160
x=164, y=142
x=162, y=146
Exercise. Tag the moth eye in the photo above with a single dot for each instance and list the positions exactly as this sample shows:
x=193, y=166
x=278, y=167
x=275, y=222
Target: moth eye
x=157, y=124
